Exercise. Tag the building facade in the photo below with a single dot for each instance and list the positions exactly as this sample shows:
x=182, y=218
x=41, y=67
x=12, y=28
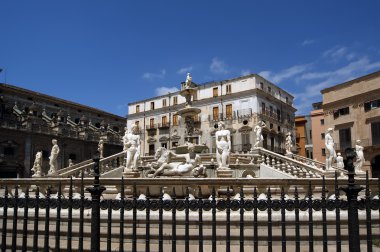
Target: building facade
x=304, y=146
x=30, y=120
x=318, y=132
x=352, y=109
x=240, y=102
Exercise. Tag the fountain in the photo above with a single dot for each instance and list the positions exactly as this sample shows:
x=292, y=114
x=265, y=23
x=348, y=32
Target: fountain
x=188, y=113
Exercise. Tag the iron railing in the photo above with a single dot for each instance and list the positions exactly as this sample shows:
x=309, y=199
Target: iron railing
x=189, y=214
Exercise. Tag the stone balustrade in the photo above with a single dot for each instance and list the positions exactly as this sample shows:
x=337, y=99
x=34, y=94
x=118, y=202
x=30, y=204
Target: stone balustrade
x=86, y=167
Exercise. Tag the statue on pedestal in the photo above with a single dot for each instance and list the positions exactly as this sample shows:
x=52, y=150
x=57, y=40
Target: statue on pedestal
x=339, y=161
x=53, y=157
x=131, y=142
x=188, y=81
x=223, y=146
x=259, y=137
x=288, y=143
x=101, y=148
x=330, y=151
x=37, y=165
x=359, y=157
x=164, y=166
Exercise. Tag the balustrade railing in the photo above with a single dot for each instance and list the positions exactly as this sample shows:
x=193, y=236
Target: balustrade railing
x=86, y=167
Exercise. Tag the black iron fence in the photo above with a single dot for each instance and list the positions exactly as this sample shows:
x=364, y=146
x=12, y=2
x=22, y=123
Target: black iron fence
x=191, y=214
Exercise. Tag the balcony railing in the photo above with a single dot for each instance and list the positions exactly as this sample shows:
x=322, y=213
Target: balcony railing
x=163, y=125
x=151, y=126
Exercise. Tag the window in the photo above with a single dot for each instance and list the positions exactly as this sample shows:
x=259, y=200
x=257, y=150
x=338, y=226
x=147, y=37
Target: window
x=175, y=119
x=165, y=145
x=263, y=107
x=137, y=123
x=322, y=135
x=164, y=120
x=288, y=117
x=278, y=128
x=323, y=152
x=152, y=105
x=73, y=156
x=215, y=113
x=137, y=108
x=341, y=112
x=174, y=144
x=271, y=126
x=163, y=102
x=345, y=138
x=262, y=85
x=151, y=122
x=375, y=130
x=287, y=99
x=229, y=111
x=269, y=90
x=310, y=134
x=175, y=100
x=322, y=121
x=228, y=89
x=270, y=110
x=278, y=115
x=371, y=105
x=215, y=92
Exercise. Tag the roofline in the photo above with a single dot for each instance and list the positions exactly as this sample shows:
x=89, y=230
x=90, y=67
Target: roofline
x=347, y=83
x=59, y=100
x=212, y=83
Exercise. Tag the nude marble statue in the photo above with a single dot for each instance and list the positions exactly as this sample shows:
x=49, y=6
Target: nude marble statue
x=53, y=159
x=330, y=151
x=131, y=142
x=223, y=146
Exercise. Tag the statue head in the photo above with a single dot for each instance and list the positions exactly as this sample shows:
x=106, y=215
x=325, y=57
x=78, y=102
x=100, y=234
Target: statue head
x=54, y=141
x=330, y=130
x=358, y=142
x=221, y=125
x=135, y=129
x=339, y=154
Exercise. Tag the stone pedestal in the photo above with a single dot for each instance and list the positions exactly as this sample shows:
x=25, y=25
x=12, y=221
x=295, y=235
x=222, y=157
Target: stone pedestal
x=224, y=173
x=128, y=190
x=360, y=175
x=329, y=173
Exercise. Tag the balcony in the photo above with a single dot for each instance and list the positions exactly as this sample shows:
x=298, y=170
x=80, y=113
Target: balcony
x=165, y=125
x=268, y=115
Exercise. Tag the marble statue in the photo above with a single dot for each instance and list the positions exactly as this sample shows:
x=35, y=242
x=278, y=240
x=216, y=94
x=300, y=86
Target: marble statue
x=339, y=161
x=131, y=142
x=188, y=81
x=223, y=146
x=289, y=143
x=359, y=157
x=101, y=148
x=166, y=167
x=259, y=137
x=37, y=165
x=53, y=159
x=71, y=162
x=330, y=151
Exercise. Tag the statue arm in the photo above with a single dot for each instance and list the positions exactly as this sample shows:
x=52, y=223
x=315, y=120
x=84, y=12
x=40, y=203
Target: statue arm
x=229, y=141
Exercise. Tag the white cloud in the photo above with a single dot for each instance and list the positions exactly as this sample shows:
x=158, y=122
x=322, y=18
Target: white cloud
x=308, y=42
x=152, y=76
x=165, y=90
x=245, y=72
x=218, y=66
x=335, y=53
x=284, y=74
x=184, y=70
x=312, y=92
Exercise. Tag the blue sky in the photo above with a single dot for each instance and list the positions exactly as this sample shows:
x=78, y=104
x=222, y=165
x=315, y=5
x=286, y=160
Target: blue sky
x=106, y=54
